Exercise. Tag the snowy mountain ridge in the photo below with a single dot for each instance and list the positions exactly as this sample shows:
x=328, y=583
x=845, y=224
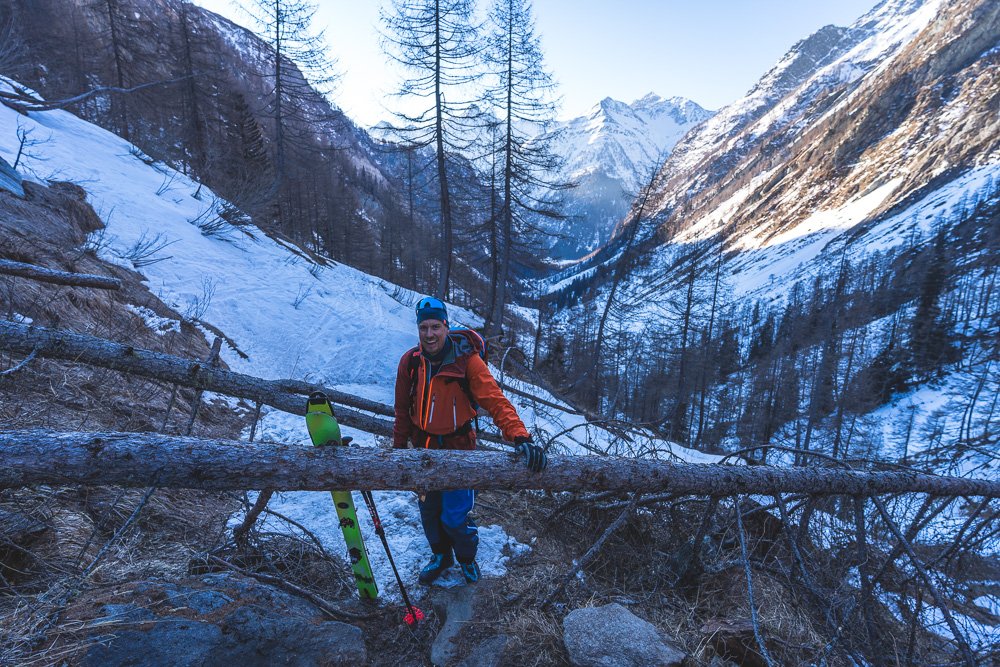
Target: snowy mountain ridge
x=609, y=154
x=849, y=125
x=805, y=75
x=624, y=141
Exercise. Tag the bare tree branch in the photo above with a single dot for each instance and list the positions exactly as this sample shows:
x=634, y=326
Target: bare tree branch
x=24, y=103
x=963, y=645
x=592, y=551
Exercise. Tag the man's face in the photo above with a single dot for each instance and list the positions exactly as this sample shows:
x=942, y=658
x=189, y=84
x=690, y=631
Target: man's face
x=432, y=335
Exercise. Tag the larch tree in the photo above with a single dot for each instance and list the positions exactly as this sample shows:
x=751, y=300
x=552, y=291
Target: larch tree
x=929, y=344
x=521, y=97
x=11, y=47
x=300, y=71
x=435, y=42
x=192, y=65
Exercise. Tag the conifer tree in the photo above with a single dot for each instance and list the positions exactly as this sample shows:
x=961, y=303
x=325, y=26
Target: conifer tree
x=929, y=346
x=521, y=95
x=300, y=68
x=435, y=41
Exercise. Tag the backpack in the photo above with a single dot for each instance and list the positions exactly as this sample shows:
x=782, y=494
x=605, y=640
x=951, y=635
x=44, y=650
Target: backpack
x=478, y=344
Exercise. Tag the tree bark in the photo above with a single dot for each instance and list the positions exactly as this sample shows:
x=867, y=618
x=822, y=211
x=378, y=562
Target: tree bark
x=41, y=274
x=38, y=456
x=286, y=395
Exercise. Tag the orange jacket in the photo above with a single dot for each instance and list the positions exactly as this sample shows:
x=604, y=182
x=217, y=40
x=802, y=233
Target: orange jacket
x=440, y=407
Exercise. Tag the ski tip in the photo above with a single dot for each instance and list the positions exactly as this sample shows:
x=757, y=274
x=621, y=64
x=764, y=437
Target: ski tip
x=413, y=616
x=319, y=402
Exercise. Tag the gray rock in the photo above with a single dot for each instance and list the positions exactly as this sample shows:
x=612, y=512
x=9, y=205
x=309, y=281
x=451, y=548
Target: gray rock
x=171, y=641
x=612, y=636
x=10, y=180
x=256, y=637
x=488, y=654
x=201, y=602
x=454, y=605
x=236, y=622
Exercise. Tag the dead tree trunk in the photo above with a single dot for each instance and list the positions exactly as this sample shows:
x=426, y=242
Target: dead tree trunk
x=40, y=273
x=213, y=362
x=285, y=395
x=148, y=459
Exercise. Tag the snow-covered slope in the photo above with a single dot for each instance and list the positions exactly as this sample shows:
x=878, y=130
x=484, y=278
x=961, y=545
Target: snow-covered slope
x=609, y=154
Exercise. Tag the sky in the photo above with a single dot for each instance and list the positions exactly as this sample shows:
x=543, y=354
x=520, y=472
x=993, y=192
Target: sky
x=709, y=51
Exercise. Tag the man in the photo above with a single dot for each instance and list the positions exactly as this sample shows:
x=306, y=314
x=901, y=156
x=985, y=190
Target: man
x=438, y=384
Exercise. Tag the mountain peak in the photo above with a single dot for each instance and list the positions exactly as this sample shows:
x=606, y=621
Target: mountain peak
x=610, y=105
x=609, y=154
x=651, y=99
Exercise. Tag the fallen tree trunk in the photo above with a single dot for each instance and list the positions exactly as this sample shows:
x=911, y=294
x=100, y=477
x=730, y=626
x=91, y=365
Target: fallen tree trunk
x=285, y=395
x=35, y=457
x=11, y=268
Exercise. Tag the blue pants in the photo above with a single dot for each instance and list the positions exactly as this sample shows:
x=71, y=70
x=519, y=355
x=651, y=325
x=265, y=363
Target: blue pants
x=445, y=517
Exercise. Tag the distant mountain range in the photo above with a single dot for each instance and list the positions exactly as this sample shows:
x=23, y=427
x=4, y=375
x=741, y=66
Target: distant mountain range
x=609, y=154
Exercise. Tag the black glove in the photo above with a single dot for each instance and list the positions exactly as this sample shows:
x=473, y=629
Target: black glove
x=534, y=457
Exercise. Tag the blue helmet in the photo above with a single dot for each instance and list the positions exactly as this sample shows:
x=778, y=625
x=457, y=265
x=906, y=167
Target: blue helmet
x=431, y=308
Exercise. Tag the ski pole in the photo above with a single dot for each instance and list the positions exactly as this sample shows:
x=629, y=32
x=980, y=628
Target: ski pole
x=413, y=614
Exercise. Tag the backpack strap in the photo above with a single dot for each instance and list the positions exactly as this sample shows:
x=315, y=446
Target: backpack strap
x=412, y=363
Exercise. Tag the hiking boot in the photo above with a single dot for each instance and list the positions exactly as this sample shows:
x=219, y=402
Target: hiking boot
x=438, y=564
x=470, y=571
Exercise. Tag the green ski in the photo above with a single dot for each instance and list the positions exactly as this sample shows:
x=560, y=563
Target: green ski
x=324, y=430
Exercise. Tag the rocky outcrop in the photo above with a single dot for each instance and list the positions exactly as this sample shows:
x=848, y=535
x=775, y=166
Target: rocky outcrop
x=218, y=619
x=10, y=180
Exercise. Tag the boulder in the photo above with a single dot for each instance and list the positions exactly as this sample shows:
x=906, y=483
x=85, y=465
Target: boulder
x=169, y=641
x=219, y=620
x=612, y=636
x=454, y=606
x=10, y=180
x=259, y=638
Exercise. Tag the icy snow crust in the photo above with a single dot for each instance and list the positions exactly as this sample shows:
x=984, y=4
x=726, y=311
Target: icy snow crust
x=292, y=317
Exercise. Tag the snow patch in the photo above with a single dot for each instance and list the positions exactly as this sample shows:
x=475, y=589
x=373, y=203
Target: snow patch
x=159, y=325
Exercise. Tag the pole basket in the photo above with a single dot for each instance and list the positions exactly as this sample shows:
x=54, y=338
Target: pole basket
x=413, y=615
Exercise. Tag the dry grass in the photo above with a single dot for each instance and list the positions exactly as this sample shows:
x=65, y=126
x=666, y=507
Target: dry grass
x=638, y=569
x=85, y=546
